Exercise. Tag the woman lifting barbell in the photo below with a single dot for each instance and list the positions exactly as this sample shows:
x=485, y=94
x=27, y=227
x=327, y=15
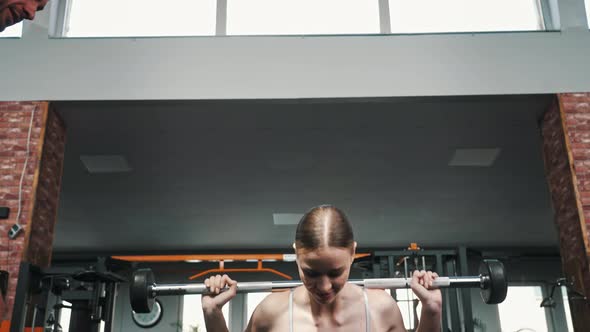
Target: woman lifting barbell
x=325, y=248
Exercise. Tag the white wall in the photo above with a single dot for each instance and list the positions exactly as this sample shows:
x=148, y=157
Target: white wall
x=38, y=68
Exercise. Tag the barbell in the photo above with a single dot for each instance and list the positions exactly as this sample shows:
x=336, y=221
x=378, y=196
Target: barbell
x=491, y=280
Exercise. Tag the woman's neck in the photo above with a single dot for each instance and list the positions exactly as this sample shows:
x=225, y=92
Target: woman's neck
x=347, y=294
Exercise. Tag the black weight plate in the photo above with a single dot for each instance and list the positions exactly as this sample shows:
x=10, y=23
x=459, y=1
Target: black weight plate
x=495, y=288
x=141, y=301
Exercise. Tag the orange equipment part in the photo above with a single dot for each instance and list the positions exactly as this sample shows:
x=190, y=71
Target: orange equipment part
x=222, y=269
x=211, y=257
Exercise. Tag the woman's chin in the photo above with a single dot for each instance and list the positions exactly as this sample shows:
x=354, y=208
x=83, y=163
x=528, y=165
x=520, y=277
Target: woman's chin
x=324, y=299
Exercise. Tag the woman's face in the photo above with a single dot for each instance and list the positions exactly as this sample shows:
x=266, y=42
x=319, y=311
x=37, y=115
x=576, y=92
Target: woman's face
x=324, y=271
x=14, y=11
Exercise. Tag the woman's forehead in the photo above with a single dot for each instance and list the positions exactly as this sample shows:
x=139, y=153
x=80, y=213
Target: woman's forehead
x=328, y=257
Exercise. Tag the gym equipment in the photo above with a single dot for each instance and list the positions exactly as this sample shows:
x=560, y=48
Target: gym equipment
x=491, y=281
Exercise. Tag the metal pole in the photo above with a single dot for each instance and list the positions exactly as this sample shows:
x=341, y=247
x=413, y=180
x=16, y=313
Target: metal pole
x=57, y=312
x=109, y=306
x=33, y=323
x=440, y=271
x=454, y=300
x=466, y=293
x=269, y=286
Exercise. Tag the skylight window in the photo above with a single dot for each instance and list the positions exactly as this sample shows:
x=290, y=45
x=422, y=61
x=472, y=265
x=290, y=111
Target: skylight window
x=137, y=18
x=13, y=31
x=148, y=18
x=302, y=17
x=424, y=16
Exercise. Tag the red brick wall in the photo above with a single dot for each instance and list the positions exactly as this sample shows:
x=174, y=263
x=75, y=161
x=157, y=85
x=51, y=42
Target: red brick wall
x=566, y=150
x=576, y=111
x=15, y=119
x=39, y=241
x=40, y=189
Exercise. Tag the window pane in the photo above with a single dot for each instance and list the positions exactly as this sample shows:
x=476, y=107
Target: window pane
x=14, y=31
x=136, y=18
x=521, y=309
x=64, y=319
x=588, y=12
x=252, y=301
x=419, y=16
x=192, y=314
x=566, y=307
x=302, y=17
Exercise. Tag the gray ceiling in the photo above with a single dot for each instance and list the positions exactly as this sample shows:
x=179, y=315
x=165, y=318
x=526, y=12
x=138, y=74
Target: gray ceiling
x=208, y=175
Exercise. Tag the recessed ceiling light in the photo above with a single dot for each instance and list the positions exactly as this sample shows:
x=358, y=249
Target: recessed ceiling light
x=475, y=157
x=105, y=163
x=282, y=219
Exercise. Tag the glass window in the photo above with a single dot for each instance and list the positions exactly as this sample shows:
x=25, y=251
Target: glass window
x=137, y=18
x=521, y=310
x=302, y=17
x=566, y=307
x=410, y=307
x=64, y=318
x=421, y=16
x=13, y=31
x=192, y=314
x=252, y=301
x=588, y=12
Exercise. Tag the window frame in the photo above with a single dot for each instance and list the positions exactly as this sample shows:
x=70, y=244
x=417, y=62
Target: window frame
x=60, y=17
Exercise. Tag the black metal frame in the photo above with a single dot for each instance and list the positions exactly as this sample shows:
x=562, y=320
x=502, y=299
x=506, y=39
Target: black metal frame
x=102, y=299
x=457, y=307
x=29, y=277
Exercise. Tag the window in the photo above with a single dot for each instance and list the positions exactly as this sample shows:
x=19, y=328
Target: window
x=192, y=314
x=521, y=309
x=140, y=18
x=421, y=16
x=13, y=31
x=136, y=18
x=302, y=17
x=410, y=307
x=587, y=2
x=252, y=301
x=64, y=318
x=566, y=307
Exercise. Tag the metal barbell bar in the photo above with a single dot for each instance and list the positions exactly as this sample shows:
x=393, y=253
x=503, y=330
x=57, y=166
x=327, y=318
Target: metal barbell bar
x=491, y=280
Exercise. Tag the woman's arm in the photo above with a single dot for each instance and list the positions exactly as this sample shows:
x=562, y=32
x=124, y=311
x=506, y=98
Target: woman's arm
x=212, y=303
x=431, y=300
x=429, y=320
x=214, y=320
x=266, y=313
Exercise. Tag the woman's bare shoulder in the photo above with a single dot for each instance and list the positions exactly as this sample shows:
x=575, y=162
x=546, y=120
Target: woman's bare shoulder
x=268, y=311
x=380, y=297
x=386, y=310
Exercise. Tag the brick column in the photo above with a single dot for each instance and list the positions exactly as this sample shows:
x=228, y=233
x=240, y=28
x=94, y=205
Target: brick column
x=566, y=150
x=41, y=170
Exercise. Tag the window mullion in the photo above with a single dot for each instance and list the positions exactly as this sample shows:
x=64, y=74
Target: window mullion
x=384, y=17
x=221, y=18
x=59, y=18
x=545, y=15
